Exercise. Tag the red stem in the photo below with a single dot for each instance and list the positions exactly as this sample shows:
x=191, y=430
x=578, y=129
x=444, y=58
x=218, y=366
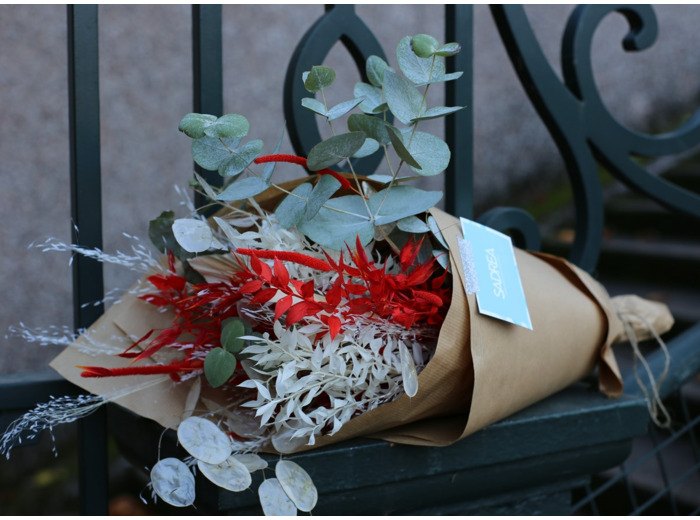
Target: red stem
x=301, y=161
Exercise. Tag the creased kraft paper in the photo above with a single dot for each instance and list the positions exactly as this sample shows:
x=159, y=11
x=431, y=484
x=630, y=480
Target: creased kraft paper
x=482, y=371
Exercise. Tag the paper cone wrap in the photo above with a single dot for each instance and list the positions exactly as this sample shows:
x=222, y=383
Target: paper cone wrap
x=482, y=371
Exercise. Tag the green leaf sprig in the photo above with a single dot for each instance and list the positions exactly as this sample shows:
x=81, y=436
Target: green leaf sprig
x=334, y=221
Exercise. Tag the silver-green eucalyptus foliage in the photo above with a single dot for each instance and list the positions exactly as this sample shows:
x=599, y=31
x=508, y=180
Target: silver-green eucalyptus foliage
x=332, y=221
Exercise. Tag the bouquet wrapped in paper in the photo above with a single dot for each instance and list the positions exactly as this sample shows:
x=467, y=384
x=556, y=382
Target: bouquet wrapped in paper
x=334, y=306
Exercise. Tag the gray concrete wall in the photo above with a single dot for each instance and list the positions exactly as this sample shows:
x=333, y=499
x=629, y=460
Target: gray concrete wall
x=145, y=90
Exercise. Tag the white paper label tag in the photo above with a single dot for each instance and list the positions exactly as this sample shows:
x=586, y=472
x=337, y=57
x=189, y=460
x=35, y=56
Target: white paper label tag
x=490, y=259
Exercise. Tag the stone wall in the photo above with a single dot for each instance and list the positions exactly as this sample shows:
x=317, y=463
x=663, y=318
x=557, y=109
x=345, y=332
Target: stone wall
x=146, y=88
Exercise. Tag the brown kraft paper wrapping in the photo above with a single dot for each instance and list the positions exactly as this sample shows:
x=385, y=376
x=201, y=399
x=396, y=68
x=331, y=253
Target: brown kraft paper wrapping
x=483, y=369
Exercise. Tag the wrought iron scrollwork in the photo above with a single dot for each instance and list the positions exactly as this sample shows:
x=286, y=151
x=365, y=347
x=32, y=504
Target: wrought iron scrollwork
x=523, y=228
x=614, y=145
x=580, y=124
x=339, y=23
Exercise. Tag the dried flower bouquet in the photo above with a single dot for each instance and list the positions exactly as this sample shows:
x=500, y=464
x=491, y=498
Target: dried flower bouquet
x=330, y=307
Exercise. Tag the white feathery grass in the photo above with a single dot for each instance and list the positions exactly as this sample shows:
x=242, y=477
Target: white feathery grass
x=60, y=410
x=140, y=259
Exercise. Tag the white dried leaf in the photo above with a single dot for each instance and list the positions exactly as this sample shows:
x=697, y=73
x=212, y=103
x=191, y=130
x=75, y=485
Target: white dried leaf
x=244, y=425
x=208, y=190
x=408, y=371
x=251, y=461
x=173, y=482
x=231, y=474
x=204, y=440
x=297, y=484
x=192, y=398
x=231, y=233
x=194, y=235
x=274, y=500
x=265, y=412
x=285, y=442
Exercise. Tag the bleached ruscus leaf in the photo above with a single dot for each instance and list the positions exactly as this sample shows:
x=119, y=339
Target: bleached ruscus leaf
x=408, y=371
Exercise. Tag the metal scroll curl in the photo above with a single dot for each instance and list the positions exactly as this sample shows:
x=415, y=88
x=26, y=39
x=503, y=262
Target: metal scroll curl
x=581, y=126
x=339, y=23
x=523, y=228
x=615, y=144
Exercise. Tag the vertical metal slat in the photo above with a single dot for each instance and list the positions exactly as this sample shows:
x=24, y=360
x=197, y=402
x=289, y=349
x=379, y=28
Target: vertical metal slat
x=459, y=127
x=86, y=212
x=207, y=72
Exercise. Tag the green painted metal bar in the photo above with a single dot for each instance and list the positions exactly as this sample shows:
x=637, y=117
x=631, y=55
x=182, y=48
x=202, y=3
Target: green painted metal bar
x=338, y=23
x=459, y=127
x=560, y=112
x=207, y=71
x=684, y=364
x=86, y=211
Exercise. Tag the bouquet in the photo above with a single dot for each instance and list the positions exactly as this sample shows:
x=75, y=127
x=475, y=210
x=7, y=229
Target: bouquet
x=333, y=306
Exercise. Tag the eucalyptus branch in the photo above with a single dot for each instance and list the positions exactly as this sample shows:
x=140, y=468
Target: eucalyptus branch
x=329, y=208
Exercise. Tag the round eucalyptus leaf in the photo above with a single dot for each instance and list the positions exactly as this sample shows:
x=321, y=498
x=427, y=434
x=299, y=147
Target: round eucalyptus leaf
x=372, y=96
x=334, y=149
x=219, y=366
x=240, y=158
x=431, y=152
x=269, y=168
x=435, y=112
x=442, y=257
x=404, y=100
x=343, y=108
x=326, y=186
x=315, y=106
x=230, y=474
x=419, y=71
x=397, y=142
x=319, y=77
x=413, y=225
x=439, y=78
x=204, y=440
x=293, y=207
x=375, y=68
x=231, y=334
x=368, y=148
x=372, y=126
x=193, y=235
x=380, y=109
x=435, y=229
x=449, y=49
x=297, y=484
x=274, y=500
x=209, y=152
x=390, y=205
x=229, y=125
x=193, y=125
x=339, y=222
x=424, y=45
x=244, y=189
x=173, y=482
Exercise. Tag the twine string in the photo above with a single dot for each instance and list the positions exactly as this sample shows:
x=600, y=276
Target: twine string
x=658, y=412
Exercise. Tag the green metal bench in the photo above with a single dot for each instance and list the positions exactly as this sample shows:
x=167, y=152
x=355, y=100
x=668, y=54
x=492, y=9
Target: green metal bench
x=526, y=464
